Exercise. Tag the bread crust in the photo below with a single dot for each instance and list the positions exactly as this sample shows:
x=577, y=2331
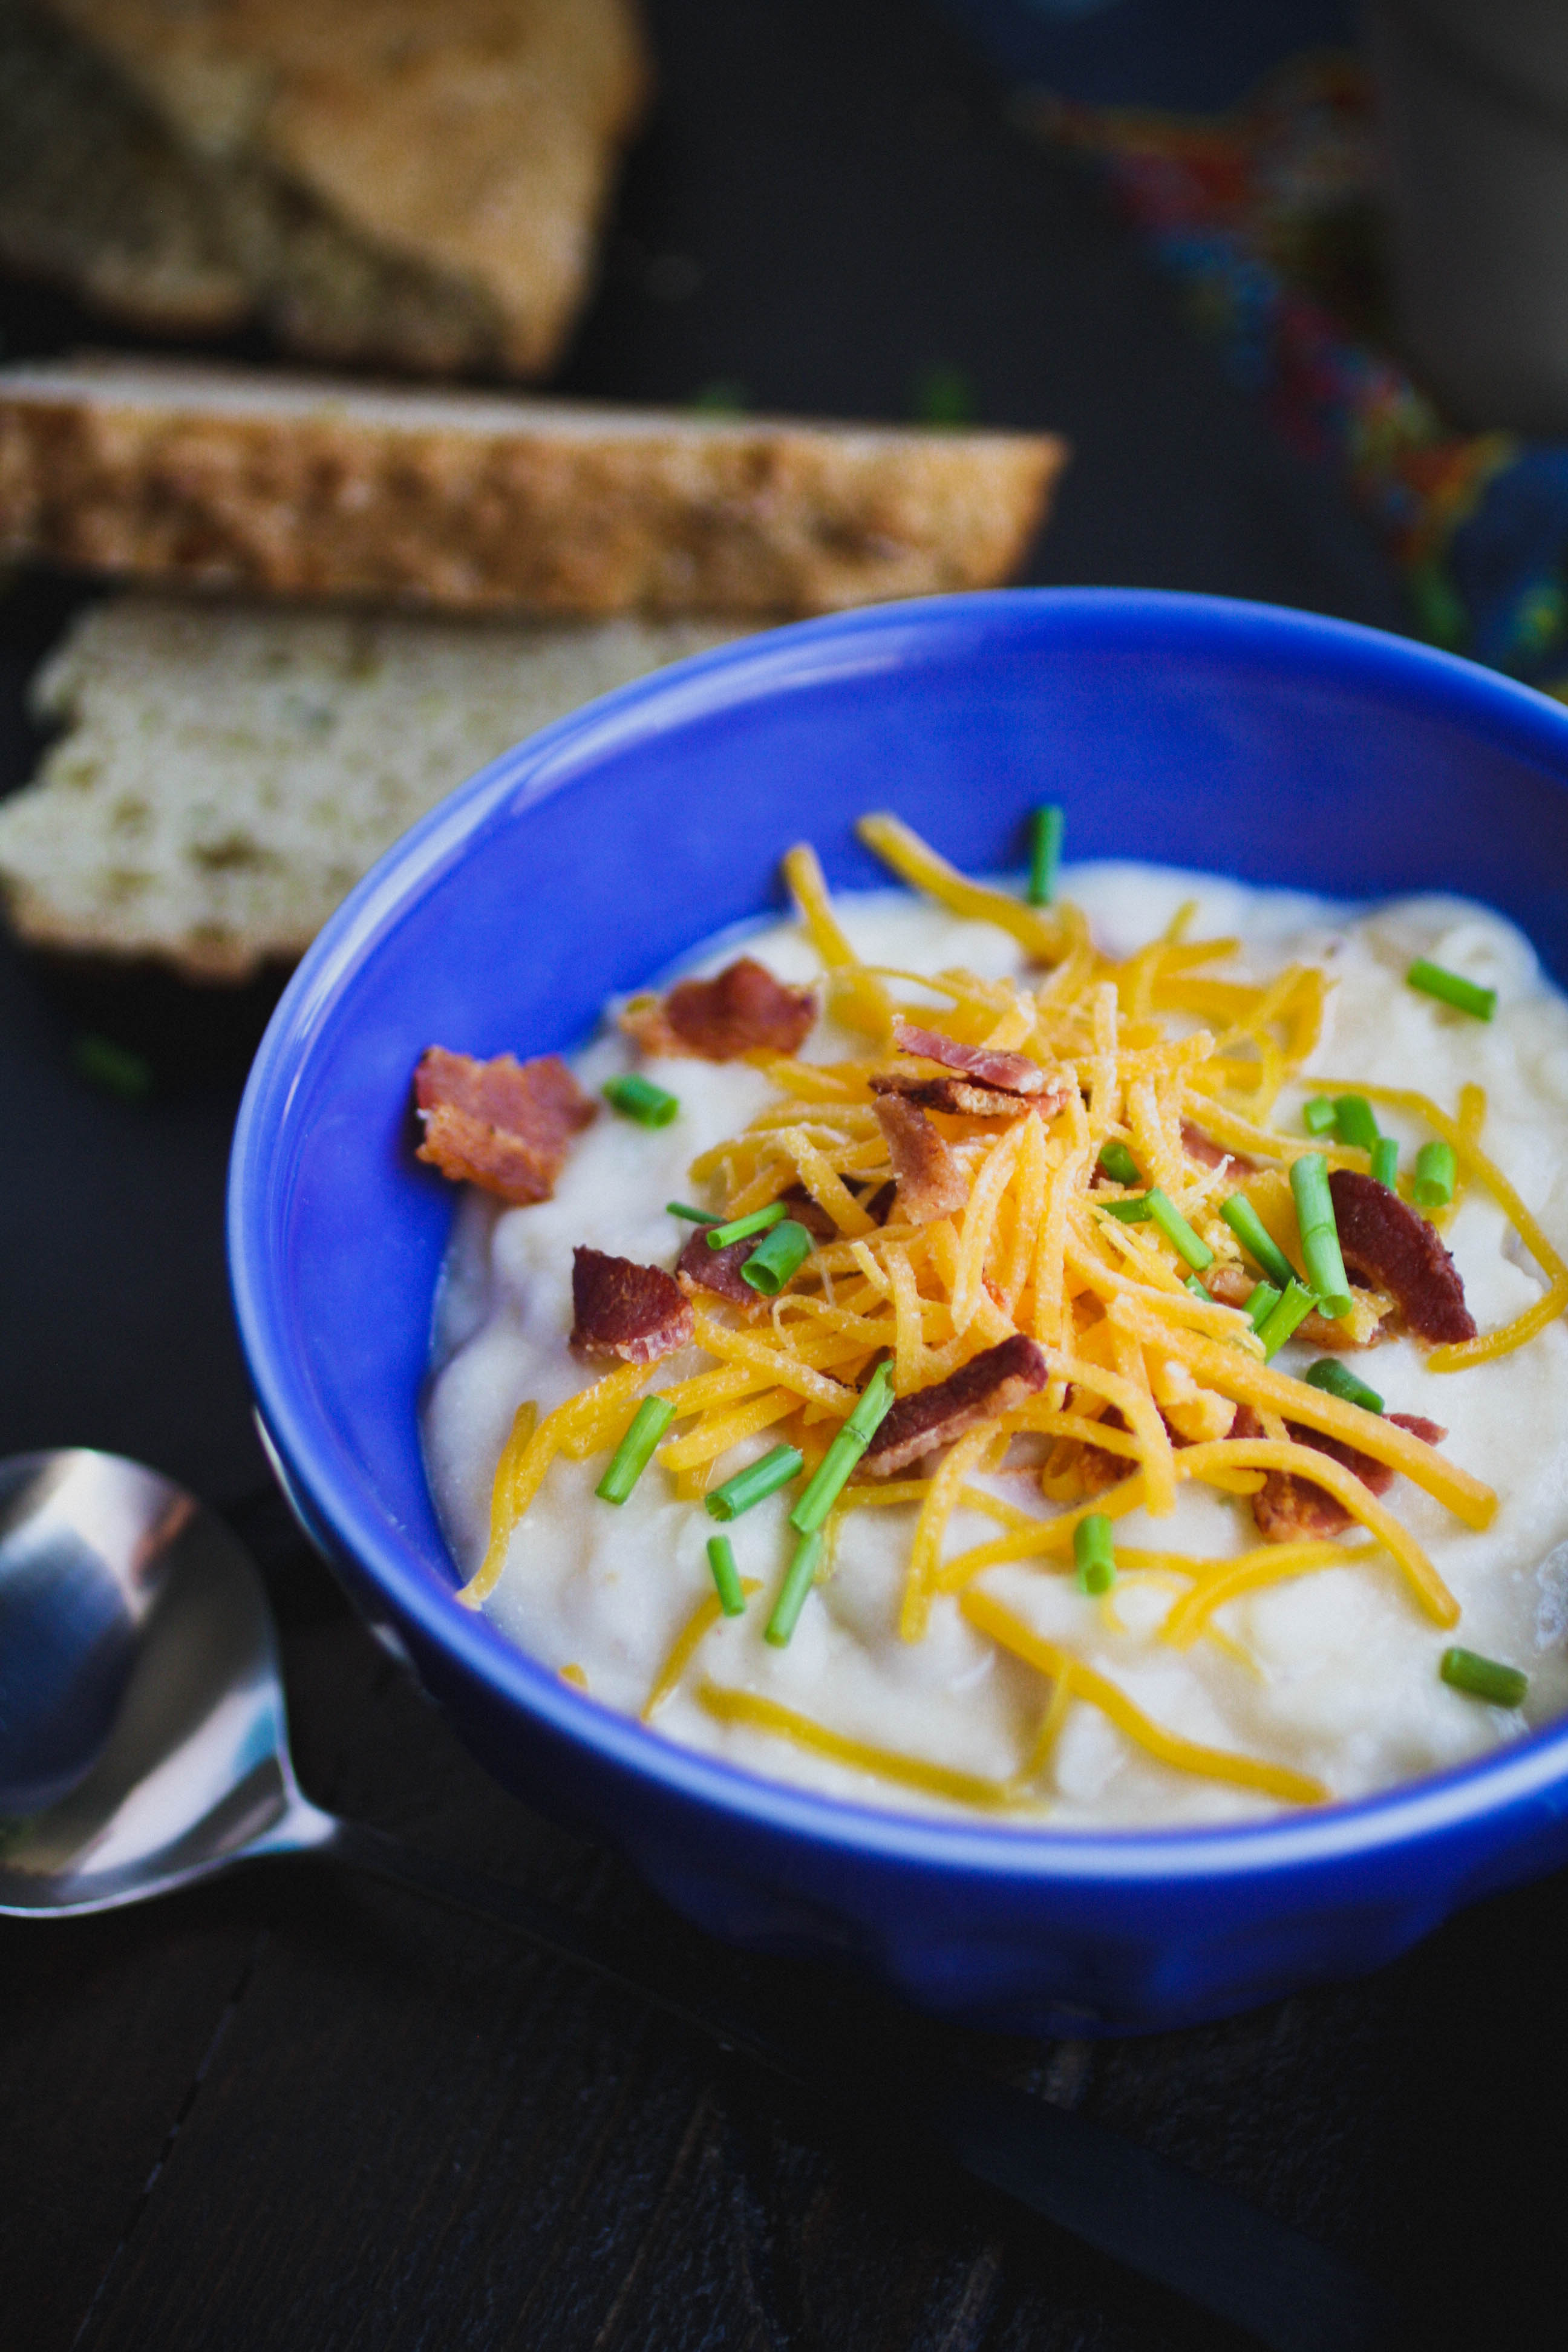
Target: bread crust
x=502, y=505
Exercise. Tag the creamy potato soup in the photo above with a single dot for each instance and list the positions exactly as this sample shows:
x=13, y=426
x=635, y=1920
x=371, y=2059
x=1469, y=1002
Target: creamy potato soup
x=1137, y=1393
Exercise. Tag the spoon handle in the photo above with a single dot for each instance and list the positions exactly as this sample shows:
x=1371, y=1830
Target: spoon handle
x=1169, y=2224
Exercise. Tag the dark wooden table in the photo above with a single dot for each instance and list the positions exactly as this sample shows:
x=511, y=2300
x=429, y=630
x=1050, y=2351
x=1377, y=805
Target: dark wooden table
x=294, y=2112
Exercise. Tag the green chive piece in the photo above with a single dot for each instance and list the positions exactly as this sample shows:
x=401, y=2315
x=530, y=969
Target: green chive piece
x=1164, y=1214
x=741, y=1229
x=1437, y=1172
x=799, y=1577
x=1256, y=1240
x=1261, y=1303
x=1386, y=1161
x=1478, y=1677
x=1282, y=1318
x=639, y=1098
x=1452, y=988
x=726, y=1575
x=1337, y=1380
x=1128, y=1213
x=633, y=1455
x=781, y=1256
x=1045, y=853
x=1196, y=1287
x=1320, y=1235
x=692, y=1216
x=1119, y=1165
x=756, y=1483
x=1094, y=1551
x=1354, y=1123
x=833, y=1471
x=1318, y=1115
x=113, y=1067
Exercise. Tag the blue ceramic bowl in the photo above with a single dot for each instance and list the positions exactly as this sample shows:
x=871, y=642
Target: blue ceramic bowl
x=1266, y=744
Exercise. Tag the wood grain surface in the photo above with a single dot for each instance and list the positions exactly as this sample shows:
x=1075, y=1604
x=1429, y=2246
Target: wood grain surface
x=294, y=2114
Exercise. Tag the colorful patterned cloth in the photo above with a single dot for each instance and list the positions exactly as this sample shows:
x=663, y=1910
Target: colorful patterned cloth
x=1267, y=216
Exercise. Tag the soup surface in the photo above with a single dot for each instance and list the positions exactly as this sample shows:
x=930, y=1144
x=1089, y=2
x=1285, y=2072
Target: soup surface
x=1229, y=1636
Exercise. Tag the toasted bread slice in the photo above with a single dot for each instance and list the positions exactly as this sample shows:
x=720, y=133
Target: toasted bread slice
x=228, y=772
x=299, y=486
x=391, y=184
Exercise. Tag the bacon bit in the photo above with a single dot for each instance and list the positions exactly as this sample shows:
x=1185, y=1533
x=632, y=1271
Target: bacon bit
x=1231, y=1286
x=964, y=1098
x=1286, y=1508
x=719, y=1270
x=878, y=1204
x=741, y=1009
x=805, y=1211
x=930, y=1184
x=620, y=1308
x=504, y=1125
x=989, y=1385
x=1015, y=1074
x=1210, y=1154
x=1385, y=1243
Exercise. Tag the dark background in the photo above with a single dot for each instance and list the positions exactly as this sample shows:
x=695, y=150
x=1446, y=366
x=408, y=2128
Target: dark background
x=294, y=2112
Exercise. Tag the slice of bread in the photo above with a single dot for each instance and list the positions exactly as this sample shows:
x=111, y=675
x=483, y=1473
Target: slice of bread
x=390, y=182
x=227, y=772
x=482, y=502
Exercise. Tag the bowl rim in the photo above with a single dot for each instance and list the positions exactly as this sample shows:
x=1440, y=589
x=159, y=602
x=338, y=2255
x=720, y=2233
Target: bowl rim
x=1531, y=1768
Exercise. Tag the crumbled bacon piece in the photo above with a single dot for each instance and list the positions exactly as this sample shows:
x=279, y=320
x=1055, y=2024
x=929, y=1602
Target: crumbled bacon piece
x=805, y=1211
x=964, y=1097
x=636, y=1313
x=719, y=1270
x=930, y=1184
x=1288, y=1508
x=504, y=1125
x=1210, y=1154
x=1015, y=1074
x=741, y=1009
x=989, y=1385
x=1385, y=1243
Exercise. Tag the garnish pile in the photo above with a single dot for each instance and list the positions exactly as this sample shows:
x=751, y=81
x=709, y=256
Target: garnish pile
x=1049, y=1227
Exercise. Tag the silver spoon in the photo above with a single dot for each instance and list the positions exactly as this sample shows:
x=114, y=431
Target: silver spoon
x=144, y=1746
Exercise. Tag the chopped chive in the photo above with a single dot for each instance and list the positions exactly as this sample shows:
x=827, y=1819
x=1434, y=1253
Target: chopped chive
x=832, y=1472
x=1478, y=1677
x=1045, y=853
x=632, y=1455
x=113, y=1067
x=1452, y=988
x=1354, y=1123
x=1168, y=1218
x=1320, y=1235
x=1118, y=1163
x=1256, y=1240
x=799, y=1577
x=1261, y=1303
x=1283, y=1317
x=756, y=1483
x=1386, y=1161
x=726, y=1575
x=1318, y=1115
x=1094, y=1551
x=639, y=1098
x=1437, y=1172
x=1196, y=1287
x=741, y=1229
x=1135, y=1211
x=1337, y=1380
x=780, y=1257
x=692, y=1216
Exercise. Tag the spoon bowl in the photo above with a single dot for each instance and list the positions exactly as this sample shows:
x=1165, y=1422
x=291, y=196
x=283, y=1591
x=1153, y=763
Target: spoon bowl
x=140, y=1664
